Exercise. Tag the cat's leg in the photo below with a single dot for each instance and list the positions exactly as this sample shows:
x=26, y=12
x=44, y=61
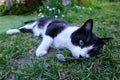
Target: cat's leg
x=43, y=47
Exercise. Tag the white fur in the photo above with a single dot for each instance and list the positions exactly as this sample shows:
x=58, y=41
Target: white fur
x=63, y=39
x=30, y=25
x=78, y=51
x=12, y=31
x=37, y=31
x=45, y=44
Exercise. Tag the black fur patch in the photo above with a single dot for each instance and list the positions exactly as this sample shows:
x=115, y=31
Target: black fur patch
x=93, y=40
x=24, y=30
x=43, y=21
x=55, y=27
x=76, y=37
x=89, y=39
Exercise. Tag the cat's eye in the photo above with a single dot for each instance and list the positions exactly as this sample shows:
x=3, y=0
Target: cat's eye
x=81, y=43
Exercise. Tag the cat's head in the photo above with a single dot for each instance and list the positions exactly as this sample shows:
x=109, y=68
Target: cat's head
x=86, y=43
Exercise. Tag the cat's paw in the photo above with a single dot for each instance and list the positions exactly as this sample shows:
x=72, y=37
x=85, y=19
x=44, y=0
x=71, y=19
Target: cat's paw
x=40, y=53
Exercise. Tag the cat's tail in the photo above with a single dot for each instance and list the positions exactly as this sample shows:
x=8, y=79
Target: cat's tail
x=15, y=31
x=26, y=28
x=12, y=31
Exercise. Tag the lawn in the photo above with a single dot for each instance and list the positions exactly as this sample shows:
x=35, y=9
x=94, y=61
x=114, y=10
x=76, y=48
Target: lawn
x=17, y=52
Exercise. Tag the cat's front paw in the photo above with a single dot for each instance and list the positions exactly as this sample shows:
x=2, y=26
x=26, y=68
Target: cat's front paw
x=40, y=53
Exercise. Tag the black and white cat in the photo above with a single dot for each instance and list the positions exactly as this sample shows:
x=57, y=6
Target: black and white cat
x=79, y=40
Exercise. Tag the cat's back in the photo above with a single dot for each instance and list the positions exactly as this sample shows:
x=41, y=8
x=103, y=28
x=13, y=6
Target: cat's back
x=56, y=26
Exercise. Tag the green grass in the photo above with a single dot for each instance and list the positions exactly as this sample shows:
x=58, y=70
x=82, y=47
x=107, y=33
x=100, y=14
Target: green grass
x=7, y=22
x=17, y=52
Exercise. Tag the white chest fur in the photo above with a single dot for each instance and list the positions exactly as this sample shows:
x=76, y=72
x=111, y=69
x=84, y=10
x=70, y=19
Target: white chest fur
x=63, y=39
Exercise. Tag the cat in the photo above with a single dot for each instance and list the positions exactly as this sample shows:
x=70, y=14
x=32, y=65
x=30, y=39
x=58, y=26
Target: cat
x=80, y=41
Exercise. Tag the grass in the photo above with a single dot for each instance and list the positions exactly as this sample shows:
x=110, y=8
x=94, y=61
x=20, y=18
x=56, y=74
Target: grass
x=17, y=52
x=13, y=22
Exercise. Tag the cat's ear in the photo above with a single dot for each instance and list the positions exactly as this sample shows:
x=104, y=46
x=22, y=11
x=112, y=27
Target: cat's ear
x=88, y=25
x=87, y=28
x=105, y=40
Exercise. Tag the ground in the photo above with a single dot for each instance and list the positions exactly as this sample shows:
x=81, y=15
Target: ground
x=17, y=52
